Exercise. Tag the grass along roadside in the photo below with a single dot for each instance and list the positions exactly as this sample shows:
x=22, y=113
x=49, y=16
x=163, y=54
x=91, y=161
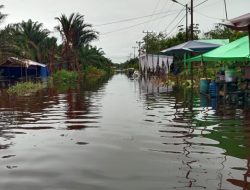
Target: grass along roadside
x=25, y=88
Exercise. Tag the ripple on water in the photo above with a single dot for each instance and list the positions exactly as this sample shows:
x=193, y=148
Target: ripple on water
x=118, y=136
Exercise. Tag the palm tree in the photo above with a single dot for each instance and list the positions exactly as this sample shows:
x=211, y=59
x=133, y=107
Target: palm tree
x=30, y=36
x=93, y=56
x=2, y=16
x=49, y=51
x=75, y=34
x=3, y=36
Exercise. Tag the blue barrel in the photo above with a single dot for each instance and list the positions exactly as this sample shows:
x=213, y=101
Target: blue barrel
x=204, y=86
x=213, y=90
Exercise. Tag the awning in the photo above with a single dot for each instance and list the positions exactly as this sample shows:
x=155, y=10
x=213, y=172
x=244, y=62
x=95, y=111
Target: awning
x=234, y=51
x=191, y=46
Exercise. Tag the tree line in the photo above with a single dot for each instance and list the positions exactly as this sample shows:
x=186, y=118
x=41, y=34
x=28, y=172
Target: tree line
x=154, y=42
x=30, y=40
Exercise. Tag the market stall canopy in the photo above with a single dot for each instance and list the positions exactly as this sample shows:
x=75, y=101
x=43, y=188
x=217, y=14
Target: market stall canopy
x=234, y=51
x=190, y=46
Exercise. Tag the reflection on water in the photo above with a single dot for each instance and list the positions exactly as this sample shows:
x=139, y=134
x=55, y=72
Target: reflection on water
x=123, y=134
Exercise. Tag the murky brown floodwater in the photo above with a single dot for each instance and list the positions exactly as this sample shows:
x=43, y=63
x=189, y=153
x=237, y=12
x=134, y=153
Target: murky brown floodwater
x=122, y=135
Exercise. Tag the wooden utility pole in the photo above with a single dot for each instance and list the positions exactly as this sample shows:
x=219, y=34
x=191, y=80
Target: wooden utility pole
x=134, y=47
x=192, y=20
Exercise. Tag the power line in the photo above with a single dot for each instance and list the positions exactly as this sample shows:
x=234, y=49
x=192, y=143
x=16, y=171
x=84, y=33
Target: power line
x=132, y=19
x=176, y=25
x=211, y=4
x=214, y=18
x=174, y=20
x=200, y=3
x=169, y=10
x=151, y=19
x=125, y=28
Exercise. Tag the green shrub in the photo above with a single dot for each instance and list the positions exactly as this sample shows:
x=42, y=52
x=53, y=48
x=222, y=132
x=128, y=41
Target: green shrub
x=64, y=76
x=91, y=72
x=25, y=88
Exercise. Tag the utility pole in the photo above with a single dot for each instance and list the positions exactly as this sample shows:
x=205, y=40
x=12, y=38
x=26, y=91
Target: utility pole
x=139, y=45
x=134, y=47
x=192, y=38
x=186, y=22
x=187, y=8
x=225, y=4
x=192, y=20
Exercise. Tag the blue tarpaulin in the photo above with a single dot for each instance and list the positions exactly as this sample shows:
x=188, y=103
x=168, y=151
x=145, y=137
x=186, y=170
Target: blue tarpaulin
x=15, y=68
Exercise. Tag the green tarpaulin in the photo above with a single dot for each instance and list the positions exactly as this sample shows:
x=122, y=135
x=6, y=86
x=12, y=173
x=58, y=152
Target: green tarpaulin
x=235, y=51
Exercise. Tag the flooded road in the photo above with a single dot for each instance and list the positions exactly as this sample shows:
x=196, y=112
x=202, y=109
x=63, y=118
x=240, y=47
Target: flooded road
x=122, y=134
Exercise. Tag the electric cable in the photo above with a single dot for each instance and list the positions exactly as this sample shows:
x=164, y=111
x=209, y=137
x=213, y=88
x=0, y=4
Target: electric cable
x=176, y=25
x=132, y=26
x=132, y=19
x=169, y=10
x=200, y=3
x=151, y=18
x=214, y=18
x=173, y=20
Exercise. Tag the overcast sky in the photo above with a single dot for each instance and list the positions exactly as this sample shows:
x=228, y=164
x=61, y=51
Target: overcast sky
x=118, y=39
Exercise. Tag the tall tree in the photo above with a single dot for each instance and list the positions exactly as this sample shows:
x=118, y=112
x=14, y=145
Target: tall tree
x=29, y=38
x=75, y=34
x=3, y=36
x=49, y=51
x=221, y=32
x=93, y=56
x=2, y=16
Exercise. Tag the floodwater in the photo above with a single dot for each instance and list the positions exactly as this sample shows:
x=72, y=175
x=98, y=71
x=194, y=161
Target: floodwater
x=123, y=134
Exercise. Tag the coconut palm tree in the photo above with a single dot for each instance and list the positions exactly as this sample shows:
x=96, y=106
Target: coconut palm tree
x=75, y=34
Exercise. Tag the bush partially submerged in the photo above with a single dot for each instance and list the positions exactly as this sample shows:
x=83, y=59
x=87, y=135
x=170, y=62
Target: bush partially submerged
x=93, y=72
x=64, y=76
x=25, y=88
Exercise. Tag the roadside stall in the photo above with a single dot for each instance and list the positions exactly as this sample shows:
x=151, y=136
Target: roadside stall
x=234, y=57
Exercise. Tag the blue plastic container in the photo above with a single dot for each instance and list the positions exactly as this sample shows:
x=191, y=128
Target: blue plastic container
x=213, y=90
x=204, y=86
